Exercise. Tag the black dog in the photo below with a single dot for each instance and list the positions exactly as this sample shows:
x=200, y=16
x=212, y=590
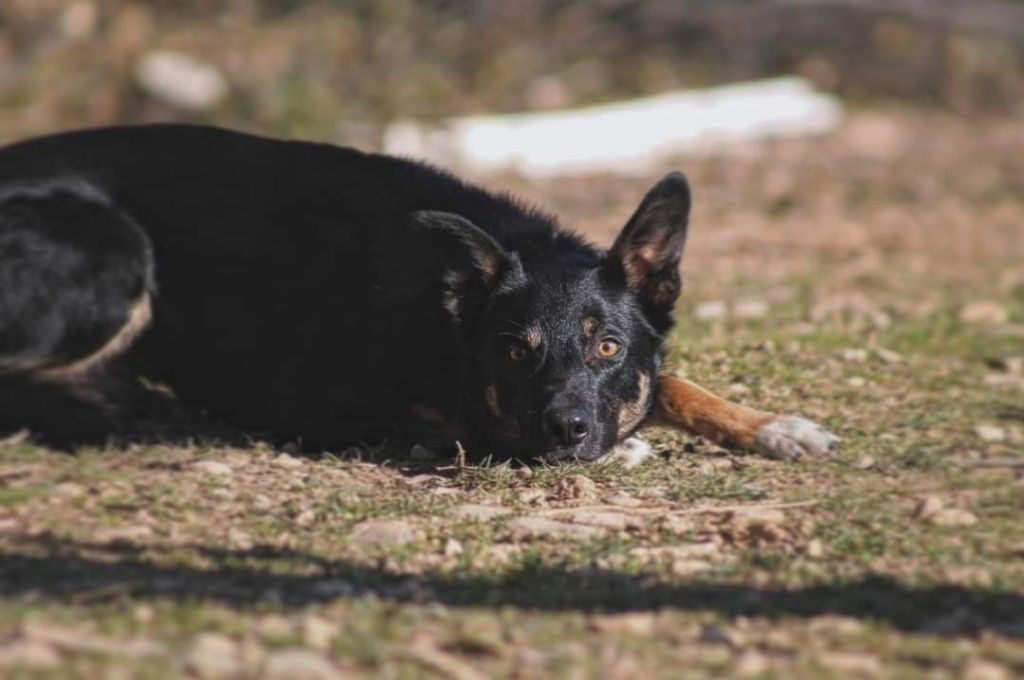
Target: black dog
x=322, y=294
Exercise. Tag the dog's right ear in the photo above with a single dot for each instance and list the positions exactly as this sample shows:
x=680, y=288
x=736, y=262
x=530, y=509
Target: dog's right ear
x=474, y=262
x=646, y=254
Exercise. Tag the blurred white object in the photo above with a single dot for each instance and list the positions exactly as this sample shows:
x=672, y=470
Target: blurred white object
x=623, y=137
x=181, y=80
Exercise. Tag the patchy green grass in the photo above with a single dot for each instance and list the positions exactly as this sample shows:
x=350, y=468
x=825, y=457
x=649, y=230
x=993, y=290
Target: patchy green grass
x=903, y=557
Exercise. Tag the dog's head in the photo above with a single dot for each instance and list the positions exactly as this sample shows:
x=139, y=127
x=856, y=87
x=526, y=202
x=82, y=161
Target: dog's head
x=563, y=342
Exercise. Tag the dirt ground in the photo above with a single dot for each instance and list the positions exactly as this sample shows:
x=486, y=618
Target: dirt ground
x=873, y=280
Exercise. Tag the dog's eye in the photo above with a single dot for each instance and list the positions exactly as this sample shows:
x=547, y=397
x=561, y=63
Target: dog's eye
x=516, y=353
x=609, y=348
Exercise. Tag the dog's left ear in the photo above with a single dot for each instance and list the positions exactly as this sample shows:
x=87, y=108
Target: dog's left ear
x=648, y=251
x=475, y=264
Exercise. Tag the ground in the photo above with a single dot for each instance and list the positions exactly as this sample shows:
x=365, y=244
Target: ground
x=872, y=280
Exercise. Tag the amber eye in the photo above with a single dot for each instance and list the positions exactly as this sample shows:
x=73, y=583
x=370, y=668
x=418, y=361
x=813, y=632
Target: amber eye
x=609, y=348
x=516, y=353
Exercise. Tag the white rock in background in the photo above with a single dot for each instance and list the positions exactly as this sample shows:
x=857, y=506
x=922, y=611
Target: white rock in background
x=213, y=468
x=28, y=655
x=628, y=136
x=982, y=669
x=856, y=355
x=713, y=309
x=748, y=309
x=214, y=656
x=299, y=664
x=990, y=433
x=383, y=533
x=984, y=312
x=181, y=80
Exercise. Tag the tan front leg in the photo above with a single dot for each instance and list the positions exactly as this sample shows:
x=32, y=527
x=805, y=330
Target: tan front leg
x=686, y=405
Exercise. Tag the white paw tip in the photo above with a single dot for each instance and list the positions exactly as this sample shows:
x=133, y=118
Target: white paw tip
x=630, y=452
x=792, y=437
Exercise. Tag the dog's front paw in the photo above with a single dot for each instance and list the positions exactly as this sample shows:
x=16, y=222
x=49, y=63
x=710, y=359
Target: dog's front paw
x=630, y=452
x=792, y=437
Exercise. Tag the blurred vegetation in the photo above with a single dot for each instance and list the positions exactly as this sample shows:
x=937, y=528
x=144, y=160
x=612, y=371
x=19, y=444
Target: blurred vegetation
x=338, y=70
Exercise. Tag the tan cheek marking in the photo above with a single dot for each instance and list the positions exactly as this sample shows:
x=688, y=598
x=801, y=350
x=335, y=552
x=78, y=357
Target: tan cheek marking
x=633, y=412
x=491, y=397
x=533, y=338
x=139, y=317
x=589, y=326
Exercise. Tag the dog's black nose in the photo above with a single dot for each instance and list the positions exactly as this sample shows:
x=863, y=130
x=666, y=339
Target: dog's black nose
x=568, y=426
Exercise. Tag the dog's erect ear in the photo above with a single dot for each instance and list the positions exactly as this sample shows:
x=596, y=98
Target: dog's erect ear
x=651, y=244
x=474, y=262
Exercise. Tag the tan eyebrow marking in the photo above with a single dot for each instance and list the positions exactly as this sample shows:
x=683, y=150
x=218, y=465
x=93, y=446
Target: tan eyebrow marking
x=533, y=337
x=589, y=326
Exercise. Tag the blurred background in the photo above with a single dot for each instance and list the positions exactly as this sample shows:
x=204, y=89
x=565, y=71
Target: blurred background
x=892, y=214
x=341, y=70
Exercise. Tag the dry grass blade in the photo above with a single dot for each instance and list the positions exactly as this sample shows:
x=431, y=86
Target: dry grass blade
x=429, y=656
x=90, y=643
x=996, y=463
x=680, y=509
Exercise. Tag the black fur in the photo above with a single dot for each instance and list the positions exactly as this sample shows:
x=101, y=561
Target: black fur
x=324, y=294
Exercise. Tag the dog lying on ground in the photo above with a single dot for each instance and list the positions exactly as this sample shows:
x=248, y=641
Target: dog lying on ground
x=333, y=297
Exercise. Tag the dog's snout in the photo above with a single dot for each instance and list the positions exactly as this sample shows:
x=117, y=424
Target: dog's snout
x=568, y=426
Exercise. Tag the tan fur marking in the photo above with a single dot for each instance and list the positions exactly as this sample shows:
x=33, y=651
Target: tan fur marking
x=19, y=365
x=636, y=268
x=691, y=407
x=589, y=326
x=491, y=397
x=533, y=338
x=139, y=317
x=633, y=412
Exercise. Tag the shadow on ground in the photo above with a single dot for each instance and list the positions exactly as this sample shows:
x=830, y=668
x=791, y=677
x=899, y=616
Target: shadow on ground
x=47, y=567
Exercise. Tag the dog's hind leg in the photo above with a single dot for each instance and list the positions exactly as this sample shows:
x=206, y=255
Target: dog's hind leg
x=76, y=283
x=686, y=405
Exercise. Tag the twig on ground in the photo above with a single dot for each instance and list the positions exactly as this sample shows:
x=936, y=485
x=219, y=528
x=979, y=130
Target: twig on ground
x=681, y=510
x=997, y=463
x=17, y=472
x=440, y=662
x=73, y=640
